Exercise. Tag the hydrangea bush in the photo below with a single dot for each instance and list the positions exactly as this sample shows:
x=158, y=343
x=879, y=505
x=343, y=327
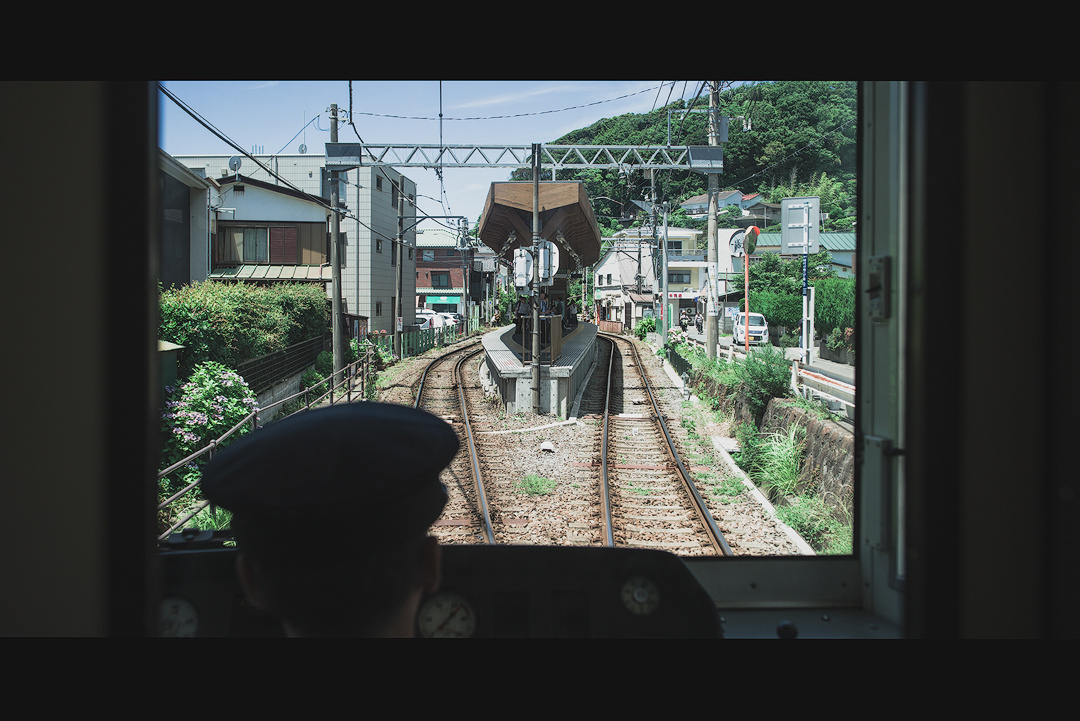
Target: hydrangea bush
x=212, y=400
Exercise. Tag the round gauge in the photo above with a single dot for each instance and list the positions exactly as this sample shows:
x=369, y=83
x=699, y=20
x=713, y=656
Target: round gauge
x=640, y=595
x=446, y=615
x=177, y=618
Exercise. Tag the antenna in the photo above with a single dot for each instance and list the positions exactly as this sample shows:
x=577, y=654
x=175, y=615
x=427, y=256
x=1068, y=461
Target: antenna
x=234, y=165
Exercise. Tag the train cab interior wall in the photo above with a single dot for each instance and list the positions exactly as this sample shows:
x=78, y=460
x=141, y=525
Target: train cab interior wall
x=967, y=391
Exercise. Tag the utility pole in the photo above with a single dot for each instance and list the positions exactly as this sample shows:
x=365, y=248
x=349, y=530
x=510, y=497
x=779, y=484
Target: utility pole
x=712, y=330
x=335, y=260
x=664, y=270
x=398, y=312
x=536, y=281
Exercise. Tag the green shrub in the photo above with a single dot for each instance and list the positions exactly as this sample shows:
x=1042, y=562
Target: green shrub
x=764, y=374
x=645, y=325
x=231, y=323
x=834, y=304
x=779, y=309
x=205, y=407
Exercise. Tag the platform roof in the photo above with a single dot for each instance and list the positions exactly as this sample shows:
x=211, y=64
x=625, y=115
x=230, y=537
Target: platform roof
x=564, y=211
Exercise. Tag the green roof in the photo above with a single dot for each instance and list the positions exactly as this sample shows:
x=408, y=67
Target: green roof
x=829, y=241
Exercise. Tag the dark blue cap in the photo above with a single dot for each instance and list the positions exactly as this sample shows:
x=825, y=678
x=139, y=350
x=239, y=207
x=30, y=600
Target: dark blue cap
x=371, y=467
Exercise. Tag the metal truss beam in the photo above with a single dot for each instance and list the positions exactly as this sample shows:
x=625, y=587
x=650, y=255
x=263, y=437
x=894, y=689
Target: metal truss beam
x=341, y=156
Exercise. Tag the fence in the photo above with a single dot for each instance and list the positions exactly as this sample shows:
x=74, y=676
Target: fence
x=263, y=372
x=357, y=378
x=838, y=395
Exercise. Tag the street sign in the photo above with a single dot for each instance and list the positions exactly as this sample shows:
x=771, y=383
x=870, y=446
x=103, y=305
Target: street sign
x=799, y=222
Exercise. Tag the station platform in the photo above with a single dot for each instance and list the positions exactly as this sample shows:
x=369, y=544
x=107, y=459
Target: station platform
x=510, y=374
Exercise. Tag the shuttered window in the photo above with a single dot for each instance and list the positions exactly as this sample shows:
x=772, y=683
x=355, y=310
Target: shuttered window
x=283, y=246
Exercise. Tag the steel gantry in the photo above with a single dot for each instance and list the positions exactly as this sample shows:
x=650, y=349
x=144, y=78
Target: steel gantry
x=703, y=159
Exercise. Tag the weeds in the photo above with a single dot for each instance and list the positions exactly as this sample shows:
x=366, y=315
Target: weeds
x=535, y=485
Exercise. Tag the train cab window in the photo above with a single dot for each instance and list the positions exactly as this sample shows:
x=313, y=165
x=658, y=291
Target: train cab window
x=857, y=593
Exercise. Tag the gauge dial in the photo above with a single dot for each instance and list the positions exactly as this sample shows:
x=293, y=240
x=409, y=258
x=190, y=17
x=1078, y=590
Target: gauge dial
x=177, y=618
x=446, y=615
x=640, y=595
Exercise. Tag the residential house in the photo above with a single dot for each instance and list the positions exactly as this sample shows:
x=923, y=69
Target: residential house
x=625, y=277
x=368, y=227
x=841, y=247
x=754, y=209
x=443, y=267
x=185, y=222
x=698, y=206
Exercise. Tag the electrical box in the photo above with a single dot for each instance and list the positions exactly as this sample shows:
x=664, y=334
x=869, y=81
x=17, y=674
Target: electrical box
x=522, y=268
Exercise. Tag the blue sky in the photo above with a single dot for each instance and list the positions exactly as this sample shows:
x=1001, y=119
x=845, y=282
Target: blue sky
x=277, y=116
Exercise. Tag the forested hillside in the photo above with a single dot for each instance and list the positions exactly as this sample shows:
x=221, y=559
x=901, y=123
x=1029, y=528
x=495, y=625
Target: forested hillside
x=785, y=139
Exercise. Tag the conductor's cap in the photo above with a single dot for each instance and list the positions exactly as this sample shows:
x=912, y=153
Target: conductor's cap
x=371, y=466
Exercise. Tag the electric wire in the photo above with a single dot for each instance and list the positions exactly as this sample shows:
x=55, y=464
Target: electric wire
x=233, y=144
x=517, y=115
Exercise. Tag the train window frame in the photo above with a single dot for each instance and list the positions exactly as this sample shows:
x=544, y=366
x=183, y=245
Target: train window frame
x=860, y=595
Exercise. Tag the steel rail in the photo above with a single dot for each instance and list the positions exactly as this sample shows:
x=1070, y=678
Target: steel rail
x=605, y=500
x=716, y=537
x=489, y=533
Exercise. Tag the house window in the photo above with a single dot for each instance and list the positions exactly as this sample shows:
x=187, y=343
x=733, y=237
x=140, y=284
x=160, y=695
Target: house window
x=378, y=182
x=440, y=280
x=609, y=278
x=675, y=247
x=427, y=254
x=278, y=245
x=378, y=245
x=682, y=277
x=256, y=245
x=378, y=308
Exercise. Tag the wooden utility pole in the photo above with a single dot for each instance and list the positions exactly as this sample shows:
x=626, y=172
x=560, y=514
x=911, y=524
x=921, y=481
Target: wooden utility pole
x=712, y=329
x=335, y=259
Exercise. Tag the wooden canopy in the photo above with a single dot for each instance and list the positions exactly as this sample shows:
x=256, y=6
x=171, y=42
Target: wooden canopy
x=564, y=210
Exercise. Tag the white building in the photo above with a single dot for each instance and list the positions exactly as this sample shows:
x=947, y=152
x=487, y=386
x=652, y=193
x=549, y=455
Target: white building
x=369, y=227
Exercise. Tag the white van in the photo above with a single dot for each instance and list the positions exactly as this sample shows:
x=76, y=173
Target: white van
x=759, y=329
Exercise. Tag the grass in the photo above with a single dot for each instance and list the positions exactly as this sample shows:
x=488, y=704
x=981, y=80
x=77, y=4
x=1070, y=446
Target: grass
x=535, y=485
x=772, y=461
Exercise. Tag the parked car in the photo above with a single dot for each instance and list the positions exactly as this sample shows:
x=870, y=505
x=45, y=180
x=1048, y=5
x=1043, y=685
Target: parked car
x=426, y=319
x=759, y=329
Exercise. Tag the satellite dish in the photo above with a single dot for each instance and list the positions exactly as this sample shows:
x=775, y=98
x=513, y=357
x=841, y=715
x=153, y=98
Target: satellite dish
x=303, y=148
x=234, y=163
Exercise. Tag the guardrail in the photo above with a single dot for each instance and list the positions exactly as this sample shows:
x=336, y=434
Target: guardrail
x=836, y=394
x=356, y=378
x=358, y=370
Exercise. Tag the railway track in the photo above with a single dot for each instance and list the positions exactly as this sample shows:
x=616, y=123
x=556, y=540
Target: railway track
x=465, y=519
x=652, y=500
x=629, y=485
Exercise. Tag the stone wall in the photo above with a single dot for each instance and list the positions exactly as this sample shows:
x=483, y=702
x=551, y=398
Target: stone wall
x=829, y=463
